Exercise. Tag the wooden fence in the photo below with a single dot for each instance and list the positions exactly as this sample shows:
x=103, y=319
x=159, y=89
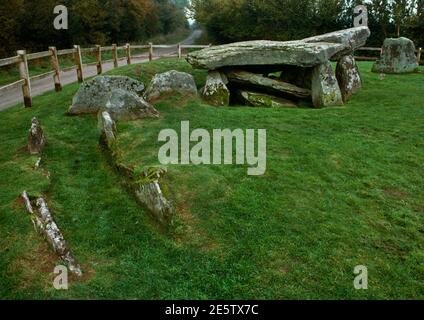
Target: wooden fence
x=22, y=58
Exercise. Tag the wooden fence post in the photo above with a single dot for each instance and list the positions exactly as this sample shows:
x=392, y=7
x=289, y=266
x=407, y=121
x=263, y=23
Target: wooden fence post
x=24, y=72
x=128, y=53
x=115, y=56
x=419, y=56
x=78, y=62
x=99, y=59
x=179, y=51
x=55, y=67
x=150, y=51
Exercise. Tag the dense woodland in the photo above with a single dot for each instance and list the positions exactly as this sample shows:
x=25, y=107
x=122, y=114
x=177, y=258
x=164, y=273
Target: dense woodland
x=237, y=20
x=29, y=23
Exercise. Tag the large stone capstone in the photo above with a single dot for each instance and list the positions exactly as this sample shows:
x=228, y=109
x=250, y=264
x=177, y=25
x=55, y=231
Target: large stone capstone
x=304, y=53
x=398, y=56
x=94, y=94
x=170, y=82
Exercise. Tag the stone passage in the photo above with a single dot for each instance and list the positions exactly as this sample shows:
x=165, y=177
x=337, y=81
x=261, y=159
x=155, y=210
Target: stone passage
x=398, y=56
x=269, y=73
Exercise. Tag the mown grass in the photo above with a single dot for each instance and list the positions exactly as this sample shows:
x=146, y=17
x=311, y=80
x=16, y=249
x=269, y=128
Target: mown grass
x=343, y=187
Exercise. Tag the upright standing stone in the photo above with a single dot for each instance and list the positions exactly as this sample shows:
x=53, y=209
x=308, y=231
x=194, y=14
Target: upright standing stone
x=347, y=74
x=325, y=88
x=36, y=139
x=216, y=92
x=398, y=56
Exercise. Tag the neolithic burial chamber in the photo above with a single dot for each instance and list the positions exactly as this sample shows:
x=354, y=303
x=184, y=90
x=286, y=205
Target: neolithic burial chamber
x=284, y=74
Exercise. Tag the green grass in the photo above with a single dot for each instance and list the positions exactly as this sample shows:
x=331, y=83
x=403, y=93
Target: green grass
x=343, y=187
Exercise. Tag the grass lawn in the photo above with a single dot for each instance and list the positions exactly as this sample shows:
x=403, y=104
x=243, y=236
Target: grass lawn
x=343, y=187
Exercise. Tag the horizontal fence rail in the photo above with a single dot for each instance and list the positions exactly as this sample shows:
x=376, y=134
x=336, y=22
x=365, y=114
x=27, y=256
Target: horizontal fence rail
x=21, y=61
x=22, y=58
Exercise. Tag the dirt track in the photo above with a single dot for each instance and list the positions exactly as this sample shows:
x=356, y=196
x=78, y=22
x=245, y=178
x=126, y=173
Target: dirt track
x=40, y=86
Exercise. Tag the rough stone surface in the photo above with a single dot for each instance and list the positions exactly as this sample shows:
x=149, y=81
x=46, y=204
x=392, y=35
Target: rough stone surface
x=94, y=94
x=263, y=52
x=262, y=100
x=352, y=38
x=347, y=74
x=325, y=88
x=398, y=56
x=36, y=140
x=124, y=105
x=304, y=53
x=44, y=222
x=150, y=194
x=107, y=126
x=259, y=81
x=215, y=91
x=171, y=82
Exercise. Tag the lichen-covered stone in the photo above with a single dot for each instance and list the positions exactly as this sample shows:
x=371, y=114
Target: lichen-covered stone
x=259, y=81
x=215, y=91
x=107, y=126
x=150, y=194
x=304, y=53
x=264, y=52
x=94, y=94
x=348, y=77
x=262, y=100
x=398, y=56
x=36, y=140
x=170, y=82
x=352, y=39
x=325, y=88
x=124, y=106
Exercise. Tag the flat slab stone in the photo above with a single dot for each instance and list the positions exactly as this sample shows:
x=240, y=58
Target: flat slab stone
x=263, y=52
x=259, y=81
x=352, y=38
x=262, y=100
x=398, y=56
x=308, y=52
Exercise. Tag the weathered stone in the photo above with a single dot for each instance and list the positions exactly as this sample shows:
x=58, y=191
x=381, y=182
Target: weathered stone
x=398, y=56
x=259, y=81
x=257, y=99
x=215, y=91
x=304, y=53
x=94, y=94
x=170, y=82
x=107, y=126
x=325, y=88
x=36, y=140
x=45, y=224
x=263, y=52
x=150, y=194
x=348, y=77
x=124, y=106
x=352, y=39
